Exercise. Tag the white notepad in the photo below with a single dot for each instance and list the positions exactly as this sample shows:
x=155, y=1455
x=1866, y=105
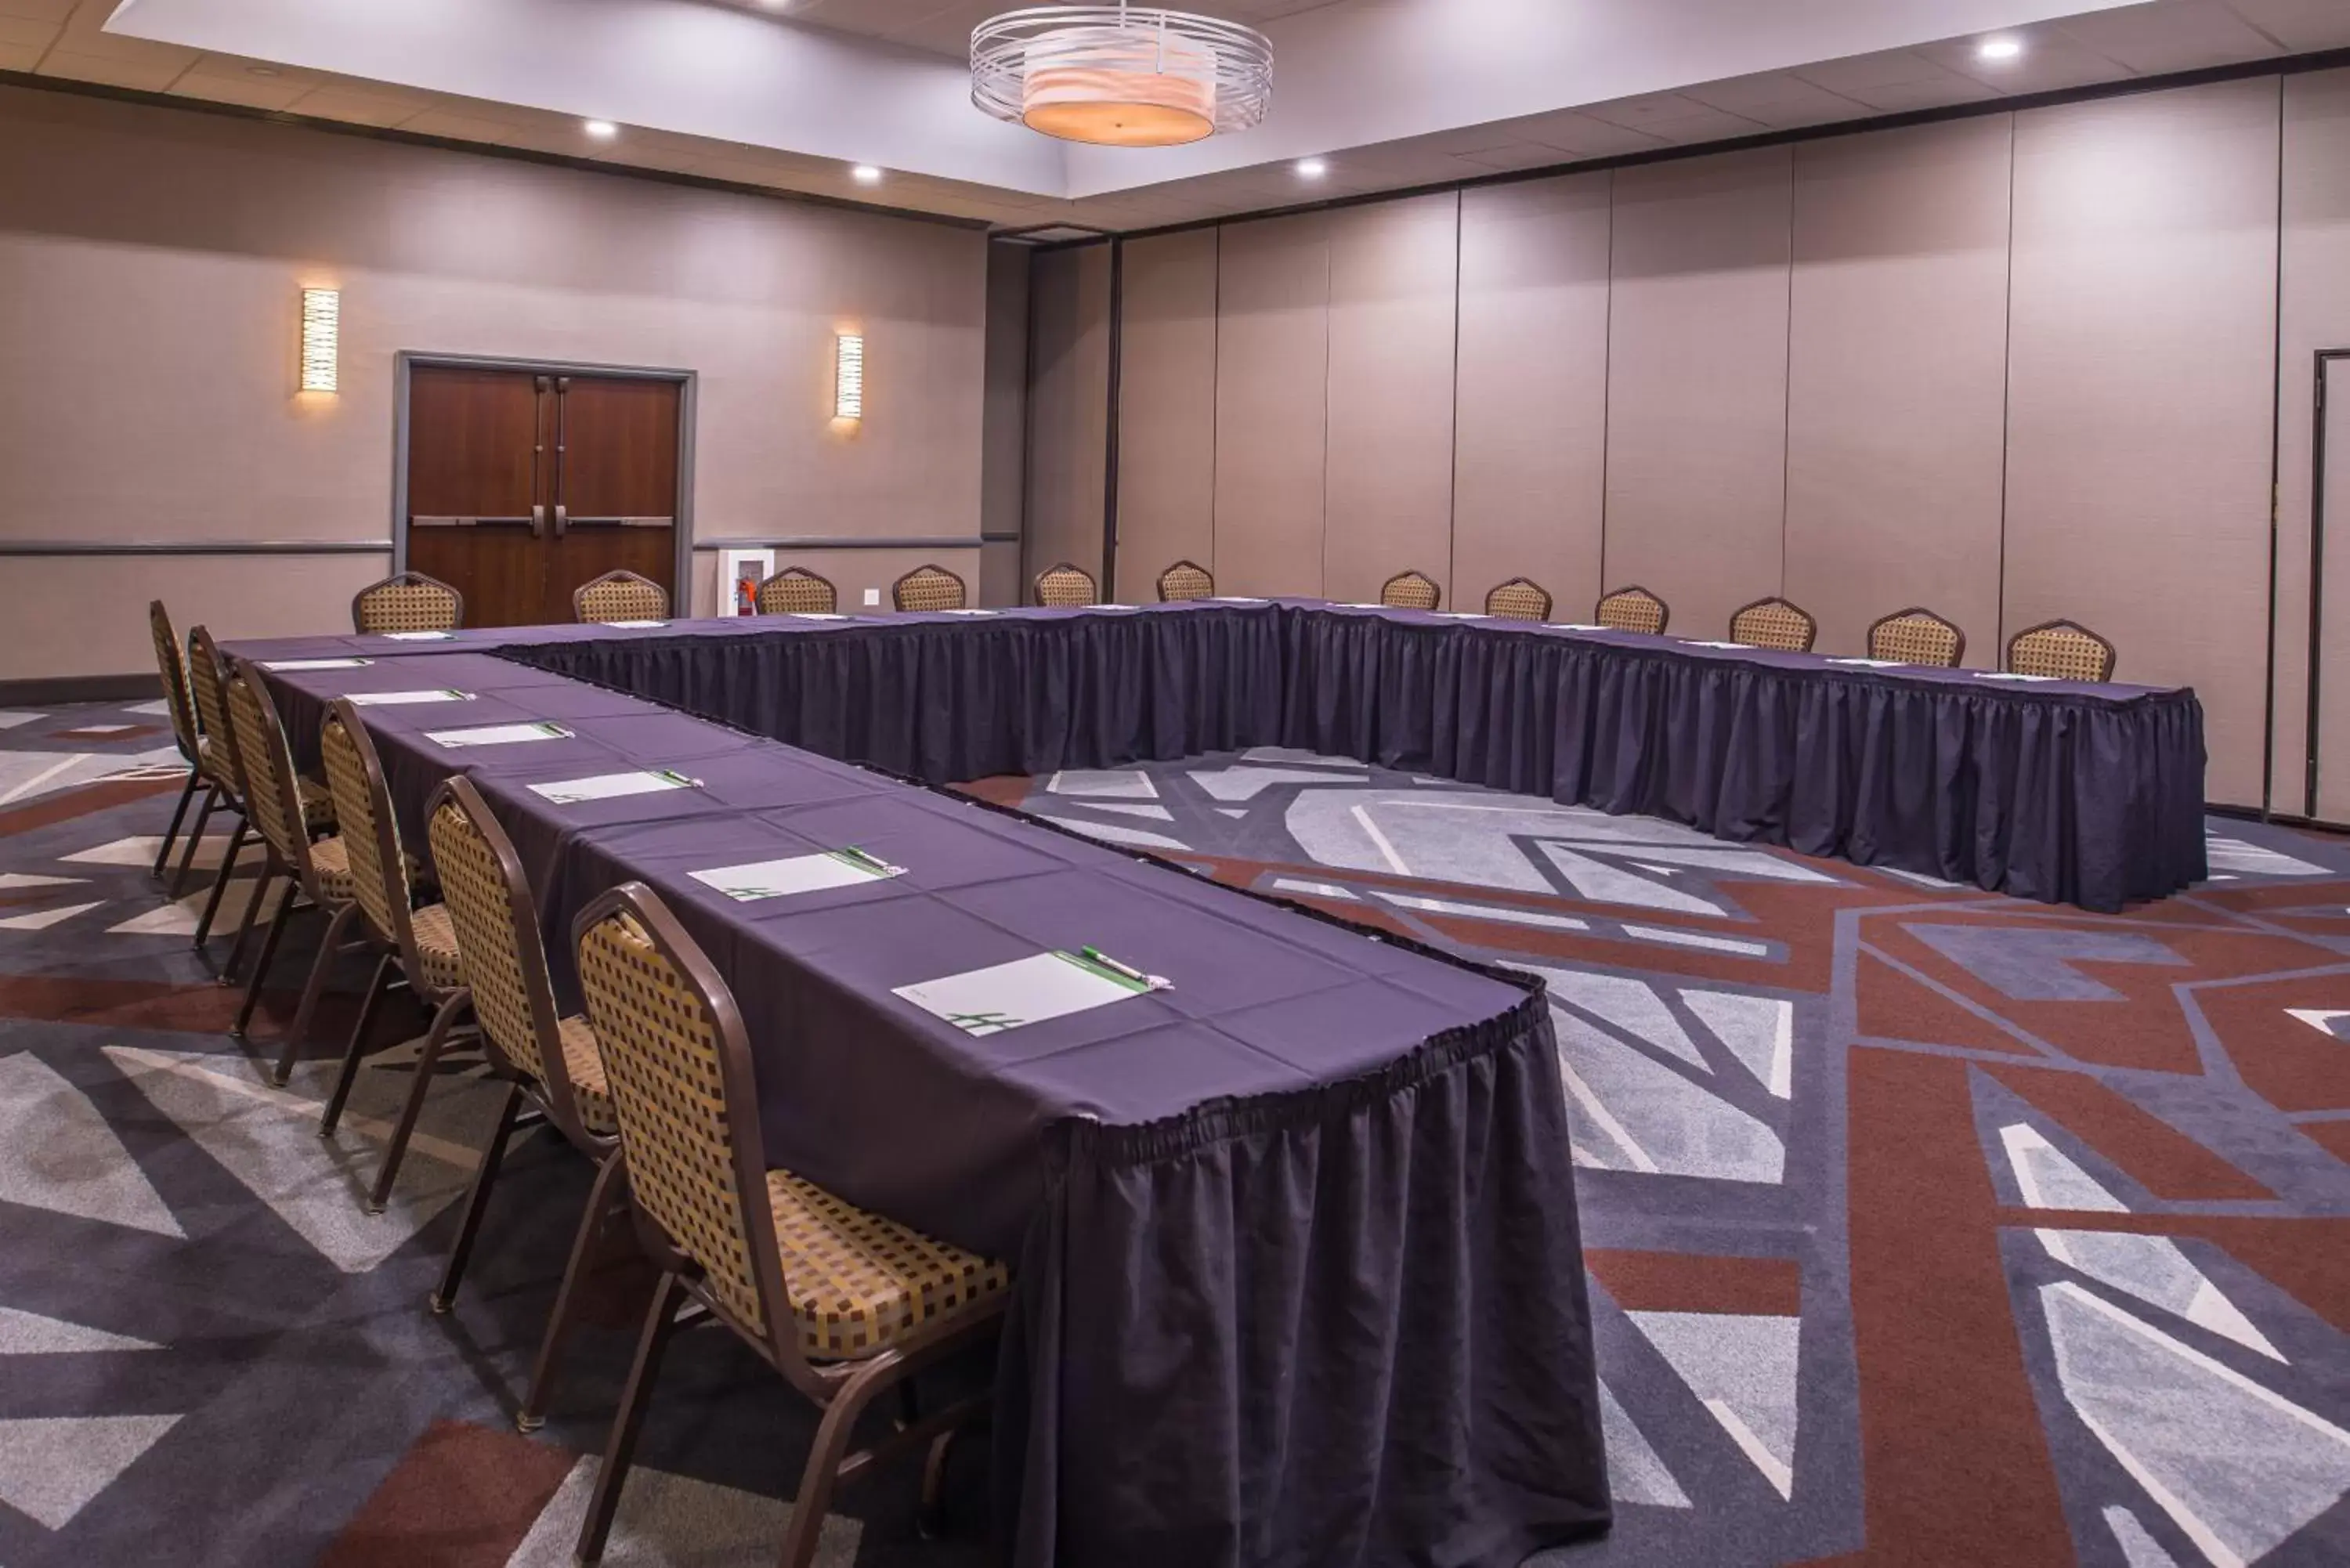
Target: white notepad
x=1577, y=625
x=1025, y=990
x=1692, y=642
x=613, y=786
x=1238, y=599
x=636, y=625
x=1462, y=615
x=403, y=698
x=294, y=664
x=1871, y=663
x=418, y=636
x=798, y=874
x=2012, y=675
x=498, y=735
x=964, y=612
x=816, y=615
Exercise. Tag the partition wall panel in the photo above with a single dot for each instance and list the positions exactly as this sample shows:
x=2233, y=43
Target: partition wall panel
x=2315, y=316
x=1166, y=410
x=1531, y=421
x=1272, y=356
x=1069, y=409
x=2139, y=416
x=1393, y=291
x=1896, y=380
x=1697, y=382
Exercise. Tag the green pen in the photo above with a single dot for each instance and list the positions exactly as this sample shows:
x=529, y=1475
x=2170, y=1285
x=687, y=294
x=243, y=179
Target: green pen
x=678, y=779
x=1094, y=955
x=860, y=859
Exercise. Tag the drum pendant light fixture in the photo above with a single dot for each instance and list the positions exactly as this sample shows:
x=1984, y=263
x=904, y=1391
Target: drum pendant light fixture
x=1120, y=75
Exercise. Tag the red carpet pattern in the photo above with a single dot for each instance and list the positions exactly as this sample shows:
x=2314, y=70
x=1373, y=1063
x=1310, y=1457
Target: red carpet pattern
x=1923, y=1226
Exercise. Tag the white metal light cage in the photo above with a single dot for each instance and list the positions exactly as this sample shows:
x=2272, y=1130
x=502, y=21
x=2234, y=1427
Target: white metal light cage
x=1120, y=75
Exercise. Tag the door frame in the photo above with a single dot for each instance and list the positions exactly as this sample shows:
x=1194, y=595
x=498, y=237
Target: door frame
x=407, y=360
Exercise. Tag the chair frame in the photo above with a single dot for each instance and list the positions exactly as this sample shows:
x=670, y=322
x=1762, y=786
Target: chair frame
x=898, y=588
x=617, y=575
x=1811, y=621
x=1518, y=583
x=1957, y=654
x=396, y=951
x=2106, y=673
x=1409, y=575
x=843, y=1389
x=1036, y=586
x=226, y=788
x=546, y=1097
x=1178, y=566
x=1664, y=610
x=402, y=580
x=171, y=666
x=795, y=574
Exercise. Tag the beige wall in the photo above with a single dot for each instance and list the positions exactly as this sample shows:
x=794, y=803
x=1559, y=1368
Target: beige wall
x=1068, y=409
x=2013, y=366
x=151, y=261
x=1166, y=410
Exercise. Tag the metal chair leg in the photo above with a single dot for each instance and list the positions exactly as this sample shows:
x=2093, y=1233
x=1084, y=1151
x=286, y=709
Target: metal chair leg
x=357, y=1047
x=832, y=1435
x=270, y=867
x=602, y=1198
x=438, y=1037
x=195, y=836
x=485, y=1176
x=931, y=1515
x=220, y=885
x=620, y=1448
x=329, y=948
x=179, y=815
x=262, y=960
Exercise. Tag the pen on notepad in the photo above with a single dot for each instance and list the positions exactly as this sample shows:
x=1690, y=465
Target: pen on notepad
x=678, y=778
x=1094, y=955
x=878, y=867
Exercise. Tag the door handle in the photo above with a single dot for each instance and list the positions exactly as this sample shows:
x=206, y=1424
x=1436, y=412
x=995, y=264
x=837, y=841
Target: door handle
x=537, y=520
x=560, y=519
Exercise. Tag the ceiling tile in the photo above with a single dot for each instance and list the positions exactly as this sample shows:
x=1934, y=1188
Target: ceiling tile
x=1674, y=117
x=1779, y=99
x=24, y=33
x=356, y=108
x=2296, y=24
x=253, y=92
x=83, y=35
x=20, y=56
x=1583, y=136
x=1525, y=155
x=148, y=75
x=1855, y=74
x=52, y=11
x=2050, y=62
x=2176, y=35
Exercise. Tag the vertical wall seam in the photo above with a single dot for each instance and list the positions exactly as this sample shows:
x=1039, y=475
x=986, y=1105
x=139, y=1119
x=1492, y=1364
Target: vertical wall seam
x=2006, y=396
x=1329, y=270
x=1113, y=373
x=1452, y=481
x=1607, y=383
x=1787, y=379
x=2276, y=481
x=1215, y=383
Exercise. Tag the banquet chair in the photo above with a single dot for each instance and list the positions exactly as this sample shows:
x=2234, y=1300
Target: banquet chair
x=796, y=590
x=1065, y=586
x=1633, y=608
x=318, y=872
x=619, y=595
x=416, y=938
x=1410, y=590
x=842, y=1302
x=1185, y=581
x=928, y=587
x=205, y=765
x=550, y=1064
x=2061, y=650
x=1917, y=635
x=1520, y=599
x=208, y=684
x=1774, y=623
x=408, y=601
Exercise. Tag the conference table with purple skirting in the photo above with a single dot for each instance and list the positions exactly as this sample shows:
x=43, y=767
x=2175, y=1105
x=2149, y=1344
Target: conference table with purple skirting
x=1298, y=1269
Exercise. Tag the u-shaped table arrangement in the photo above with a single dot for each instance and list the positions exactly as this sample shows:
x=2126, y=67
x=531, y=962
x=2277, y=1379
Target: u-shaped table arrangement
x=1299, y=1274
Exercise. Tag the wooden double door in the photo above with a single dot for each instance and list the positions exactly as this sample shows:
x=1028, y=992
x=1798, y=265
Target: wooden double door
x=523, y=484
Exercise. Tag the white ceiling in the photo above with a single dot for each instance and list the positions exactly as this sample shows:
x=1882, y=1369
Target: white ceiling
x=1392, y=93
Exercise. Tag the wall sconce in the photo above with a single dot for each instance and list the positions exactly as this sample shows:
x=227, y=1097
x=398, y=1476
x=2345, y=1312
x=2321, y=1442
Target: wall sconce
x=322, y=316
x=849, y=376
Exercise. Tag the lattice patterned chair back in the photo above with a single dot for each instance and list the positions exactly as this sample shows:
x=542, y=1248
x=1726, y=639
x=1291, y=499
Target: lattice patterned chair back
x=1520, y=599
x=496, y=919
x=619, y=595
x=2061, y=650
x=796, y=590
x=1917, y=635
x=1185, y=581
x=208, y=684
x=1774, y=623
x=1633, y=608
x=271, y=797
x=928, y=587
x=679, y=1064
x=368, y=828
x=1410, y=590
x=408, y=601
x=1065, y=586
x=173, y=666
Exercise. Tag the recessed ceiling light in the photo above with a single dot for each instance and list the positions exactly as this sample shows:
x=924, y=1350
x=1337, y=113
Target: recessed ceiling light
x=1312, y=168
x=866, y=174
x=601, y=130
x=1999, y=49
x=263, y=71
x=774, y=4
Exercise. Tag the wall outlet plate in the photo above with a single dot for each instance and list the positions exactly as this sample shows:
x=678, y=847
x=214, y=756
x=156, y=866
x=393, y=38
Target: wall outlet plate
x=873, y=596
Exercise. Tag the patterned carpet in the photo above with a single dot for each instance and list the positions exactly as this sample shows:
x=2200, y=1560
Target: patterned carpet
x=1924, y=1227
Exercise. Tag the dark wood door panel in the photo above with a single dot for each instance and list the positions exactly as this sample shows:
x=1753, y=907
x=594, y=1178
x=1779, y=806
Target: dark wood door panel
x=583, y=553
x=472, y=443
x=617, y=452
x=500, y=569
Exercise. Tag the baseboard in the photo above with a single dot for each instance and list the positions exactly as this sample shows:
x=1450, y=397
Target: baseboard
x=57, y=688
x=2281, y=819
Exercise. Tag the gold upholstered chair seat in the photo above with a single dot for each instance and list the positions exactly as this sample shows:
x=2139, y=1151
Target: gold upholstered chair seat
x=860, y=1283
x=317, y=804
x=586, y=1065
x=436, y=946
x=331, y=859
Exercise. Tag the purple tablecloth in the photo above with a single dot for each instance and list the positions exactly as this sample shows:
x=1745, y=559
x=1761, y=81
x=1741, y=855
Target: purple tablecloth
x=1299, y=1268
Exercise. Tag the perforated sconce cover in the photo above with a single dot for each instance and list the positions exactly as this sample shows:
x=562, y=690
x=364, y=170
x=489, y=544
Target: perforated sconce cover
x=849, y=376
x=322, y=322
